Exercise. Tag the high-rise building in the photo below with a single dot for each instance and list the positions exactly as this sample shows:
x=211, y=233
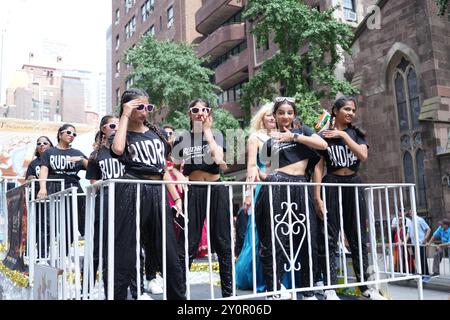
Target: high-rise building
x=226, y=44
x=51, y=94
x=165, y=19
x=35, y=94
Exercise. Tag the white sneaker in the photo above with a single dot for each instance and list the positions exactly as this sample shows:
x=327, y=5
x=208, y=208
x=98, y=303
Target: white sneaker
x=154, y=287
x=285, y=295
x=145, y=296
x=373, y=294
x=331, y=295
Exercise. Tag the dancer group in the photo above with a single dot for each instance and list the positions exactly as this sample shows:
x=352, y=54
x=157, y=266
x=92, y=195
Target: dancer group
x=285, y=232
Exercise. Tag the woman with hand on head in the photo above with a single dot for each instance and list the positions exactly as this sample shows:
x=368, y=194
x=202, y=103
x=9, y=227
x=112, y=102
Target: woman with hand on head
x=347, y=147
x=143, y=149
x=202, y=152
x=261, y=125
x=64, y=162
x=291, y=152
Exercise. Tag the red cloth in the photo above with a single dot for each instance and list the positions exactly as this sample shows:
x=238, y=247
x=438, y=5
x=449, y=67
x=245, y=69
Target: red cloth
x=203, y=244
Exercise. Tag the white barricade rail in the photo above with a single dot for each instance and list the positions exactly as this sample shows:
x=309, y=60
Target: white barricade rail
x=38, y=226
x=383, y=201
x=62, y=249
x=6, y=183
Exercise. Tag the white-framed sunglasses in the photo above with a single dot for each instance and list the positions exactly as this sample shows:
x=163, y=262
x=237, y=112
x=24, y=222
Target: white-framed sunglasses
x=282, y=99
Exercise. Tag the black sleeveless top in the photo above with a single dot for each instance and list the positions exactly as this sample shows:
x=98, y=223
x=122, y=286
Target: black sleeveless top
x=196, y=152
x=281, y=154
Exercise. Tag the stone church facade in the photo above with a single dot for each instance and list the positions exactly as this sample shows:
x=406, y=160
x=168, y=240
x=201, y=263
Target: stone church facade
x=402, y=69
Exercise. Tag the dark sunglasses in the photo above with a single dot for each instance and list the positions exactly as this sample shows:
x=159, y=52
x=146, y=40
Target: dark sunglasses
x=112, y=126
x=148, y=107
x=70, y=133
x=197, y=110
x=45, y=143
x=169, y=133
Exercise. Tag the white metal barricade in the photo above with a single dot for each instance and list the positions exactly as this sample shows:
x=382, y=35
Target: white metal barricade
x=60, y=248
x=381, y=201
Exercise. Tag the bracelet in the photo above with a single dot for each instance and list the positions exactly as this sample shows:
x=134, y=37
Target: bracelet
x=175, y=200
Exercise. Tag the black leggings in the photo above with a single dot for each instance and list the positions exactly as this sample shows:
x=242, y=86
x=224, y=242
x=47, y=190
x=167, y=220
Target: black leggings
x=220, y=229
x=151, y=238
x=281, y=223
x=349, y=225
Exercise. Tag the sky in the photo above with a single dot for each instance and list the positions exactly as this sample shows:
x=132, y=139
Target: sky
x=74, y=28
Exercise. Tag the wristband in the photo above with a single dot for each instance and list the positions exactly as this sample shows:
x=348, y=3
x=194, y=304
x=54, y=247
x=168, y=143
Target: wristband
x=176, y=199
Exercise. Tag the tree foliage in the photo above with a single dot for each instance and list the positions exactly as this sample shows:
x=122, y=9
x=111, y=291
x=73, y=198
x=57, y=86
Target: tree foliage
x=171, y=73
x=310, y=45
x=443, y=7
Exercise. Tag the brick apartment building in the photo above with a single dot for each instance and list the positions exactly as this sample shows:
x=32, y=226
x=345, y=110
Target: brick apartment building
x=46, y=94
x=165, y=19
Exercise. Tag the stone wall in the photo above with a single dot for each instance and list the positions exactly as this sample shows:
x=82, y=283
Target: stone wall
x=411, y=29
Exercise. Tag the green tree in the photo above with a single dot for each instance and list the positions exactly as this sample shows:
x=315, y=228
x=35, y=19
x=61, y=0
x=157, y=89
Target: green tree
x=297, y=28
x=443, y=7
x=173, y=76
x=171, y=73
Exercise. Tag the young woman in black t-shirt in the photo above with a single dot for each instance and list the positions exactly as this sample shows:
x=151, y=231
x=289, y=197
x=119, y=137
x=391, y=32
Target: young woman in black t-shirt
x=33, y=172
x=347, y=147
x=102, y=166
x=142, y=148
x=64, y=162
x=202, y=152
x=43, y=143
x=292, y=156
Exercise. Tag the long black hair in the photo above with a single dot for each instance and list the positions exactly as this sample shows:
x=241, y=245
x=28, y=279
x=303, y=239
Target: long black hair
x=134, y=93
x=64, y=127
x=36, y=153
x=340, y=103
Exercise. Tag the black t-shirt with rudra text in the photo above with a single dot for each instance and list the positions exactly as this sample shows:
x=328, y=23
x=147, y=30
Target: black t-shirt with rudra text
x=34, y=168
x=145, y=153
x=338, y=155
x=102, y=166
x=59, y=166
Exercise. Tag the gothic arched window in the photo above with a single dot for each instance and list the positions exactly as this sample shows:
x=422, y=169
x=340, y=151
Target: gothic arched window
x=408, y=112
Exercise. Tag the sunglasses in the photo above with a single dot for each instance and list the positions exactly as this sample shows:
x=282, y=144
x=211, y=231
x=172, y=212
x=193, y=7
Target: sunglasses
x=148, y=107
x=45, y=143
x=69, y=133
x=112, y=126
x=281, y=99
x=197, y=110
